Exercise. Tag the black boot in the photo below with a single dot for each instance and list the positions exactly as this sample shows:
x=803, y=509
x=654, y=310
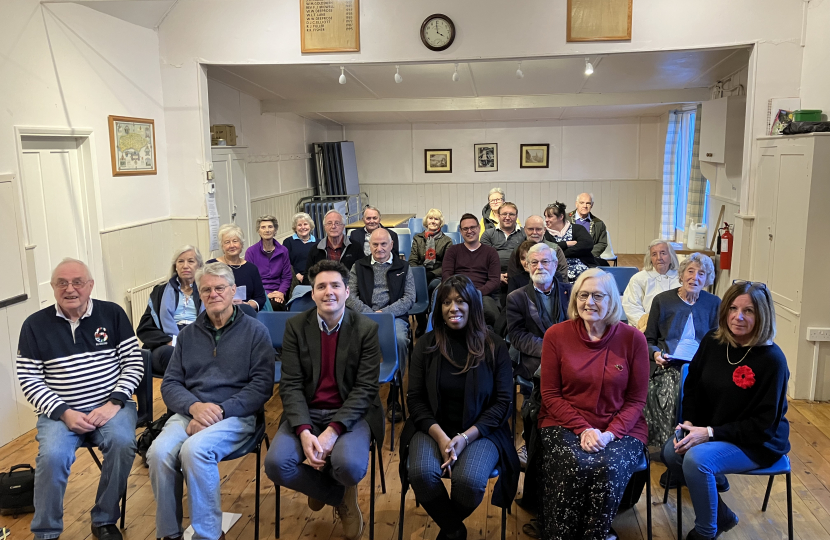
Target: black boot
x=726, y=517
x=694, y=535
x=442, y=511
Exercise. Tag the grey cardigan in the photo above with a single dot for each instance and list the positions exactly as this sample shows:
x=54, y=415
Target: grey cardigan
x=668, y=317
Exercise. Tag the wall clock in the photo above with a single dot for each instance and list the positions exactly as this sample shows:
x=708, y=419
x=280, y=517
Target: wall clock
x=437, y=32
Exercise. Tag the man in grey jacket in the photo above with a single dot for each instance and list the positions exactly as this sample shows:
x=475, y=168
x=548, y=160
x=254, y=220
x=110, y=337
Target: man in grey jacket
x=219, y=378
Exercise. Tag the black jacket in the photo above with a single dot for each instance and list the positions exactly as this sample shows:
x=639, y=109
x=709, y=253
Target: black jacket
x=582, y=249
x=524, y=324
x=357, y=369
x=150, y=331
x=358, y=236
x=598, y=232
x=488, y=397
x=395, y=280
x=351, y=253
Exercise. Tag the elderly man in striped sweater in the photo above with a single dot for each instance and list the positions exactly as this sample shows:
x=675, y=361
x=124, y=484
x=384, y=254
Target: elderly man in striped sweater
x=78, y=363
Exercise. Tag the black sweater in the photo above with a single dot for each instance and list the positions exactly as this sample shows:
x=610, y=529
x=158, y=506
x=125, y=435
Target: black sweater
x=248, y=275
x=751, y=418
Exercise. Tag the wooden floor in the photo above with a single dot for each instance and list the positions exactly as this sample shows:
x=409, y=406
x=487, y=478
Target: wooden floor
x=810, y=438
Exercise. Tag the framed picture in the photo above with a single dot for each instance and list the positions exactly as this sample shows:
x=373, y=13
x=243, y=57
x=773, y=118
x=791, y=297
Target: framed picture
x=534, y=156
x=132, y=146
x=486, y=157
x=599, y=20
x=438, y=161
x=329, y=26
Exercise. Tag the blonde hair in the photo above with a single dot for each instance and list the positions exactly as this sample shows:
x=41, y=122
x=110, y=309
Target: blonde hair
x=648, y=265
x=609, y=285
x=764, y=330
x=434, y=212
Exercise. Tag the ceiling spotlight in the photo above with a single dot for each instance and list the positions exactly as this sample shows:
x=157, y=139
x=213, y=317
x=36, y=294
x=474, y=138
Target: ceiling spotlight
x=398, y=78
x=455, y=76
x=342, y=79
x=519, y=74
x=589, y=67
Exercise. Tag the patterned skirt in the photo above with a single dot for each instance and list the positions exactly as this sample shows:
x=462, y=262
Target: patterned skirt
x=580, y=491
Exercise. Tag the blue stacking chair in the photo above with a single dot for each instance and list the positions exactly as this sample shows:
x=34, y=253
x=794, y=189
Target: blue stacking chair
x=455, y=236
x=275, y=321
x=301, y=303
x=404, y=244
x=451, y=226
x=622, y=275
x=416, y=225
x=391, y=364
x=782, y=466
x=419, y=274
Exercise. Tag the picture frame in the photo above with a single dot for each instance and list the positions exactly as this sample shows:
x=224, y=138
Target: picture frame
x=329, y=26
x=534, y=156
x=132, y=146
x=438, y=160
x=599, y=20
x=486, y=157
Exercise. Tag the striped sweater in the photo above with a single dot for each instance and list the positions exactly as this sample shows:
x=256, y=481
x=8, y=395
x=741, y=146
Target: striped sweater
x=59, y=369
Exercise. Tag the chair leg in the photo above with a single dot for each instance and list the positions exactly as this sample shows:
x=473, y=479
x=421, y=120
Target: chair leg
x=400, y=517
x=515, y=398
x=789, y=506
x=256, y=503
x=379, y=452
x=503, y=523
x=679, y=511
x=95, y=458
x=277, y=511
x=648, y=501
x=372, y=494
x=393, y=388
x=766, y=496
x=666, y=492
x=123, y=509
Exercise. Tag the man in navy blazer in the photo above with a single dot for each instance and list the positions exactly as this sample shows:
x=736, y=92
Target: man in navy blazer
x=371, y=220
x=329, y=389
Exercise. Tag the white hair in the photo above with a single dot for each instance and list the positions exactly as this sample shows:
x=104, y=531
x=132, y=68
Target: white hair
x=342, y=217
x=70, y=260
x=647, y=265
x=232, y=230
x=182, y=250
x=498, y=190
x=541, y=246
x=701, y=260
x=218, y=269
x=301, y=216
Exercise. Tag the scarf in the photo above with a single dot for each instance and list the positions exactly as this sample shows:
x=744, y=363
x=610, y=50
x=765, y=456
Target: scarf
x=429, y=256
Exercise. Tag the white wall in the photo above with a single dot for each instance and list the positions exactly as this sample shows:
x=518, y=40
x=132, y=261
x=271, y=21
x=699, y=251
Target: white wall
x=815, y=70
x=619, y=160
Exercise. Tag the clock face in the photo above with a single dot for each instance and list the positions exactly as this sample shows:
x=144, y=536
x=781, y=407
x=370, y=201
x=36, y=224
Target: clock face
x=437, y=32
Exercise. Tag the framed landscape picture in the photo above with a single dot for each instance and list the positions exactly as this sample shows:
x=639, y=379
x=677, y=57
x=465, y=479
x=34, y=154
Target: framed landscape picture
x=438, y=161
x=486, y=157
x=534, y=156
x=132, y=146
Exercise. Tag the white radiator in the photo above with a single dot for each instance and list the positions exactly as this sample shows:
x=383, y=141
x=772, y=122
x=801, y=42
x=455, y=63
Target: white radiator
x=138, y=298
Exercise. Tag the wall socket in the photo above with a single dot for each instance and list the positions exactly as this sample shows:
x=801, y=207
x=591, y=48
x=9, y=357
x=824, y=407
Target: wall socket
x=818, y=334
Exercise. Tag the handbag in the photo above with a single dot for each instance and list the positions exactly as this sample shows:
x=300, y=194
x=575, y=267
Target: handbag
x=17, y=490
x=661, y=405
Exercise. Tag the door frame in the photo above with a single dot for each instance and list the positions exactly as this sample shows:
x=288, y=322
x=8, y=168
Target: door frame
x=85, y=137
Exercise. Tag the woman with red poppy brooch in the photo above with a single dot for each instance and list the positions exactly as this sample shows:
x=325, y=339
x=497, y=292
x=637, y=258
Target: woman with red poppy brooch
x=734, y=405
x=428, y=248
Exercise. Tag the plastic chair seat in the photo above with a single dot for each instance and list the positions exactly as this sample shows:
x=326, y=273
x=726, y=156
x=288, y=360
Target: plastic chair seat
x=277, y=371
x=387, y=372
x=782, y=466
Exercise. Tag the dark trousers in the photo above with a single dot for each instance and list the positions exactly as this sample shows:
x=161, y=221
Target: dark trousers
x=491, y=310
x=160, y=357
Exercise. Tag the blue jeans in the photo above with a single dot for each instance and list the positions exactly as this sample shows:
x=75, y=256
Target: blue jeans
x=55, y=456
x=175, y=457
x=347, y=463
x=699, y=466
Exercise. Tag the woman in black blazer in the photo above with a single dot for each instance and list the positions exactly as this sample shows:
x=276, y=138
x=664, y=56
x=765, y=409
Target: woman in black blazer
x=575, y=241
x=460, y=394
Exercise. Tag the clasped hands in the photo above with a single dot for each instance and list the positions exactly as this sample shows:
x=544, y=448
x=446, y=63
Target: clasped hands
x=317, y=449
x=452, y=448
x=593, y=440
x=81, y=423
x=697, y=435
x=204, y=415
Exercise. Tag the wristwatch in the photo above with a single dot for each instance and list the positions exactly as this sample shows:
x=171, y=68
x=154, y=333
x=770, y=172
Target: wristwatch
x=221, y=408
x=711, y=433
x=116, y=401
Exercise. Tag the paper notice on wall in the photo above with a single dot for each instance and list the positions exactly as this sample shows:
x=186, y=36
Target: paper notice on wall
x=213, y=220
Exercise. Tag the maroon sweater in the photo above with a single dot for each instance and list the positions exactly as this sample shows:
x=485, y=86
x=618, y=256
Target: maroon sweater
x=482, y=266
x=595, y=384
x=327, y=395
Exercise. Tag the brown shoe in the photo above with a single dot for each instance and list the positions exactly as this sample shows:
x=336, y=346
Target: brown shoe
x=316, y=504
x=350, y=515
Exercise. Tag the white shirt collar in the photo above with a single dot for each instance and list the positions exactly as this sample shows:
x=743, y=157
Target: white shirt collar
x=387, y=261
x=325, y=328
x=86, y=314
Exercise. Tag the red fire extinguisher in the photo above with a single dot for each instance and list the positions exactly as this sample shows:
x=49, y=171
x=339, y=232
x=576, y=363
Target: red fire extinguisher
x=725, y=247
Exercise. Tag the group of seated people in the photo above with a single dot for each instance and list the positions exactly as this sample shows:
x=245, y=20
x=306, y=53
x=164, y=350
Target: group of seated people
x=566, y=330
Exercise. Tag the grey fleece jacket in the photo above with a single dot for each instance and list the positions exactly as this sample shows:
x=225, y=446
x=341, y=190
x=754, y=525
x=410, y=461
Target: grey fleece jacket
x=236, y=373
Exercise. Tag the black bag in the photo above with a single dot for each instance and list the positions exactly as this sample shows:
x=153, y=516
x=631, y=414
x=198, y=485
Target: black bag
x=17, y=491
x=795, y=128
x=661, y=405
x=145, y=440
x=633, y=490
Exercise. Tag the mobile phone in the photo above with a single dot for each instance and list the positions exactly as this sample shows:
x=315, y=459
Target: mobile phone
x=678, y=434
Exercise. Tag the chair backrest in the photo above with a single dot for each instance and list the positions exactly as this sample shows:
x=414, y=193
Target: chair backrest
x=405, y=244
x=419, y=276
x=684, y=371
x=451, y=226
x=608, y=254
x=416, y=225
x=622, y=275
x=455, y=236
x=301, y=303
x=275, y=321
x=386, y=336
x=401, y=230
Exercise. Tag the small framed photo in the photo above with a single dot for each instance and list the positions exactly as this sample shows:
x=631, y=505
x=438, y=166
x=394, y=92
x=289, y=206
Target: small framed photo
x=534, y=156
x=486, y=157
x=438, y=161
x=132, y=146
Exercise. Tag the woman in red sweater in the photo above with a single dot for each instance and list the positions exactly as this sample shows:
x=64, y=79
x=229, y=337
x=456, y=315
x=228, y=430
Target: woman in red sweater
x=594, y=384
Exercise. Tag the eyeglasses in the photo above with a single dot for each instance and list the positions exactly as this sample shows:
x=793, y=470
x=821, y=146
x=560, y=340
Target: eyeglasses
x=543, y=262
x=500, y=199
x=469, y=229
x=220, y=290
x=62, y=284
x=333, y=223
x=508, y=214
x=597, y=296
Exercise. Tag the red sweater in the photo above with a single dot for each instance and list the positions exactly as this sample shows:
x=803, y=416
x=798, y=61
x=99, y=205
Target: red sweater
x=595, y=384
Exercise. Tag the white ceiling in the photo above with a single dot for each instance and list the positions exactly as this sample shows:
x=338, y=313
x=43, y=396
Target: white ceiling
x=313, y=90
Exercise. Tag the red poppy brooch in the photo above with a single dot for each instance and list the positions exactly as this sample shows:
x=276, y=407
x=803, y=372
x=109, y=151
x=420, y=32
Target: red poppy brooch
x=430, y=253
x=744, y=377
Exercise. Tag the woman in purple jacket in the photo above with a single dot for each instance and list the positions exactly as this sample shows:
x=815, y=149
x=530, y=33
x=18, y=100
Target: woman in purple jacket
x=272, y=260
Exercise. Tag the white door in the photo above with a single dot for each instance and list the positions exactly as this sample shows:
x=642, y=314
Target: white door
x=55, y=209
x=232, y=195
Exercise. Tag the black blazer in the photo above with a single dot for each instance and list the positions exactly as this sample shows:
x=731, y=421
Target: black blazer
x=525, y=326
x=488, y=397
x=357, y=369
x=358, y=236
x=351, y=253
x=582, y=249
